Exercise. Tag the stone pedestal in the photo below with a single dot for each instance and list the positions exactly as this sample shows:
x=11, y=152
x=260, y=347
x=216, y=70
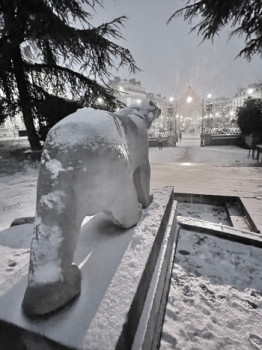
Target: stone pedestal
x=125, y=274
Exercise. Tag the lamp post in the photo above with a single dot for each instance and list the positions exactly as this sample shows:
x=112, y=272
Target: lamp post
x=171, y=99
x=172, y=113
x=175, y=126
x=202, y=124
x=202, y=143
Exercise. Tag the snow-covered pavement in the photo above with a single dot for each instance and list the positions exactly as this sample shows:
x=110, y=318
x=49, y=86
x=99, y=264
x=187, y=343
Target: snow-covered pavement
x=224, y=170
x=189, y=151
x=18, y=197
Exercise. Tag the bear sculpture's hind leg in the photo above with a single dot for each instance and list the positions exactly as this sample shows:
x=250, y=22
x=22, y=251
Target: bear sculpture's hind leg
x=53, y=279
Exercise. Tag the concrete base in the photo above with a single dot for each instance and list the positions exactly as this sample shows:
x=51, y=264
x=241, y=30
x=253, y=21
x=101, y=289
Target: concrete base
x=119, y=269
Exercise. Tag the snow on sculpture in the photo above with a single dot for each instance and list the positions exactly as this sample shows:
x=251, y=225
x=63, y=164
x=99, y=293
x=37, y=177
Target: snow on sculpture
x=93, y=161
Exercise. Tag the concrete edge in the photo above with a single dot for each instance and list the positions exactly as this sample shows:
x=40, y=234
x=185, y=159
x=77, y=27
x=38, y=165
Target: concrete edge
x=150, y=324
x=132, y=319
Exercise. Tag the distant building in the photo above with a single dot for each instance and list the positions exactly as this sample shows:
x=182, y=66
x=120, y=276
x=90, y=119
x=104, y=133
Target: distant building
x=131, y=91
x=253, y=90
x=221, y=104
x=128, y=91
x=160, y=125
x=221, y=114
x=12, y=126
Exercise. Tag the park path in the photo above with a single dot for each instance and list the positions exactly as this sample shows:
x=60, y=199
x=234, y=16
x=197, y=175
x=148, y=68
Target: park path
x=224, y=170
x=189, y=151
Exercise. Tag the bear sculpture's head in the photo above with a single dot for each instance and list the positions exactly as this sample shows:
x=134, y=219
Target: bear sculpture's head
x=146, y=110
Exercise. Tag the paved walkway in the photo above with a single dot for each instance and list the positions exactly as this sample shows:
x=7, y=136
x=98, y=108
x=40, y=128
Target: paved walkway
x=244, y=182
x=217, y=170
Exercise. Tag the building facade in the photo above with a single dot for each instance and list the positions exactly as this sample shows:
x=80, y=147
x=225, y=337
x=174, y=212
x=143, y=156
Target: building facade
x=253, y=90
x=128, y=91
x=14, y=126
x=220, y=114
x=131, y=91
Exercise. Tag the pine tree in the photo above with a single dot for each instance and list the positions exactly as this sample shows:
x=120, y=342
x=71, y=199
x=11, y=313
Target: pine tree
x=69, y=60
x=243, y=15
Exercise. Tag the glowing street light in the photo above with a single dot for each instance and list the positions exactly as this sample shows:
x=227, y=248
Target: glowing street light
x=250, y=91
x=176, y=116
x=209, y=95
x=189, y=99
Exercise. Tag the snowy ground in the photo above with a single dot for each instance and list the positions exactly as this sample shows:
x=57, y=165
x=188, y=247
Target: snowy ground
x=206, y=313
x=215, y=297
x=18, y=196
x=189, y=151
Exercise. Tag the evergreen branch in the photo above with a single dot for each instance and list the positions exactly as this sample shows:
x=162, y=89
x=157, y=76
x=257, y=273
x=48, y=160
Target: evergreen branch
x=215, y=14
x=188, y=10
x=102, y=51
x=66, y=8
x=74, y=46
x=54, y=77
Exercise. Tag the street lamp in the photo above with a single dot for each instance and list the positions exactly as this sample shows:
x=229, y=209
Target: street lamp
x=189, y=99
x=172, y=114
x=202, y=120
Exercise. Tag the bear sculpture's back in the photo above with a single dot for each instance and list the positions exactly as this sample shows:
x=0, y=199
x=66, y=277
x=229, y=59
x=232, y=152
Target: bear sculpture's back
x=93, y=161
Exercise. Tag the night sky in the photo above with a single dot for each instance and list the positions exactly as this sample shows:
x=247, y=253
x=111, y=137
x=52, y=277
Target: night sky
x=171, y=58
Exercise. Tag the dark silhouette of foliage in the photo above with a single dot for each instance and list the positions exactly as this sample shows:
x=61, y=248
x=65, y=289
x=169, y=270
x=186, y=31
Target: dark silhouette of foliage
x=71, y=60
x=243, y=15
x=249, y=117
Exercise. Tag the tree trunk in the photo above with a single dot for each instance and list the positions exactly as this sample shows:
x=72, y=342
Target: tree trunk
x=25, y=102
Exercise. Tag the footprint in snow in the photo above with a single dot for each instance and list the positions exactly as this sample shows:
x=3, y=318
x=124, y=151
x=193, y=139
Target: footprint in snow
x=255, y=340
x=12, y=263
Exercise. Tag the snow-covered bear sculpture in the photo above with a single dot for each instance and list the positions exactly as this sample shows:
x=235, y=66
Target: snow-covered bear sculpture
x=92, y=161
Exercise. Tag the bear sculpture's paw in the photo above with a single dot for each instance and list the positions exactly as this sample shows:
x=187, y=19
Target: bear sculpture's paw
x=149, y=201
x=42, y=299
